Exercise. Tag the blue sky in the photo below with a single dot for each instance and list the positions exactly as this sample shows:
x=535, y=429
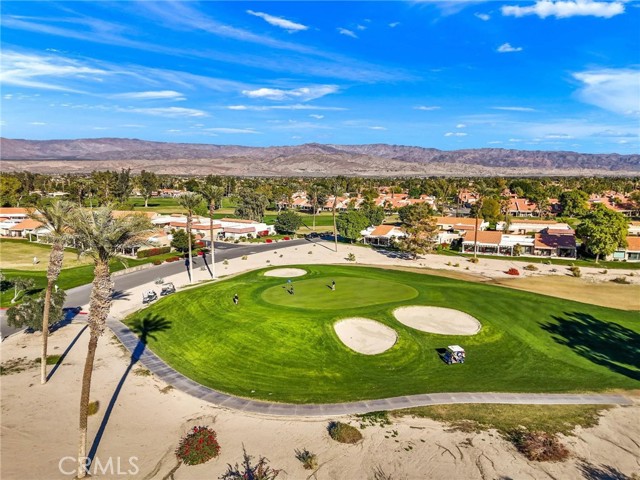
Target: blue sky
x=536, y=75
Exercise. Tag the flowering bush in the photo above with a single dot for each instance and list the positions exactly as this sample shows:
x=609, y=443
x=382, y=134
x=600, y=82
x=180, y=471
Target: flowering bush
x=268, y=240
x=172, y=259
x=198, y=446
x=152, y=252
x=513, y=271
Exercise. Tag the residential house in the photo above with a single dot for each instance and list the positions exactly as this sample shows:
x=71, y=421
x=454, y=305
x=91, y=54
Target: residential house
x=555, y=243
x=382, y=235
x=521, y=207
x=527, y=226
x=453, y=228
x=25, y=228
x=630, y=253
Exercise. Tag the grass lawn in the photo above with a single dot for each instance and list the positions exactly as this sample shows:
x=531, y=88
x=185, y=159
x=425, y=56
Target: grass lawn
x=18, y=254
x=282, y=347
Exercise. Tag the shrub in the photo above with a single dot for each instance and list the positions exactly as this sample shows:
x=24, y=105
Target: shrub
x=513, y=271
x=538, y=446
x=286, y=238
x=379, y=474
x=157, y=262
x=226, y=262
x=474, y=260
x=380, y=418
x=269, y=240
x=310, y=252
x=456, y=264
x=575, y=271
x=531, y=268
x=308, y=459
x=343, y=433
x=621, y=280
x=198, y=446
x=152, y=252
x=172, y=259
x=93, y=407
x=351, y=257
x=248, y=471
x=244, y=257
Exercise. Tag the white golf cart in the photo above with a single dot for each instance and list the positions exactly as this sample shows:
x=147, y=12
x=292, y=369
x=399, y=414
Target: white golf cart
x=454, y=354
x=149, y=296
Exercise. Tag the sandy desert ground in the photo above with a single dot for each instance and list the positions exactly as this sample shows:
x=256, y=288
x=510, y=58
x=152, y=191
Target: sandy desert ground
x=139, y=416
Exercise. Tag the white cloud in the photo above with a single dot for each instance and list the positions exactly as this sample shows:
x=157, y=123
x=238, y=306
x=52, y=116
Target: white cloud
x=168, y=111
x=566, y=9
x=303, y=94
x=151, y=95
x=455, y=134
x=461, y=125
x=36, y=71
x=360, y=27
x=507, y=48
x=616, y=90
x=515, y=109
x=99, y=128
x=231, y=130
x=495, y=142
x=483, y=16
x=316, y=116
x=297, y=106
x=394, y=24
x=377, y=128
x=426, y=108
x=348, y=33
x=558, y=136
x=279, y=21
x=37, y=123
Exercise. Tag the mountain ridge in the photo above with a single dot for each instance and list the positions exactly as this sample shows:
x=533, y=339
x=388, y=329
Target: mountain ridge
x=82, y=155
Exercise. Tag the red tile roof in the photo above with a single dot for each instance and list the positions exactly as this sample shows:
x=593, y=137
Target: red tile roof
x=633, y=244
x=487, y=237
x=28, y=224
x=545, y=241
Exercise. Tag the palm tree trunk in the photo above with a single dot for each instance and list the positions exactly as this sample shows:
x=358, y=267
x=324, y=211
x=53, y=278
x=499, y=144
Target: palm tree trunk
x=475, y=238
x=55, y=265
x=45, y=333
x=314, y=205
x=99, y=306
x=189, y=243
x=335, y=227
x=84, y=404
x=213, y=260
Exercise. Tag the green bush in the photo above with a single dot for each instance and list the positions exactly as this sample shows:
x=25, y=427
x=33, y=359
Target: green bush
x=474, y=260
x=343, y=433
x=351, y=257
x=152, y=252
x=531, y=268
x=198, y=446
x=93, y=408
x=575, y=271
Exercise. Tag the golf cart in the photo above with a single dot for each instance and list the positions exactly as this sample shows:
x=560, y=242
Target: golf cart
x=167, y=289
x=454, y=354
x=149, y=296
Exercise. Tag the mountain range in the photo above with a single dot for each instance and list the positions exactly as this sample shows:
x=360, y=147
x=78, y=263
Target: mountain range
x=312, y=159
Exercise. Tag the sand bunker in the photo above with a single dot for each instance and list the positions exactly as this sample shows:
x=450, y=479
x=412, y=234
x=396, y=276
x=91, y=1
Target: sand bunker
x=365, y=336
x=444, y=321
x=285, y=272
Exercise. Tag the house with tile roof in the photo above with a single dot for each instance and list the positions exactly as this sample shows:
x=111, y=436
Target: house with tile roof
x=382, y=235
x=630, y=253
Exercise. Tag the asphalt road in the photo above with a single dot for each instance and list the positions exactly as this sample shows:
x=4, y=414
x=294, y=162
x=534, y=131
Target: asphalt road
x=223, y=251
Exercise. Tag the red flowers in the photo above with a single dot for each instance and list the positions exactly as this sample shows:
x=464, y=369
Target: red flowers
x=199, y=446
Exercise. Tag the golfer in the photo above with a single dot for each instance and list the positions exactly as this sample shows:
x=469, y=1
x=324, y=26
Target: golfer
x=236, y=299
x=333, y=285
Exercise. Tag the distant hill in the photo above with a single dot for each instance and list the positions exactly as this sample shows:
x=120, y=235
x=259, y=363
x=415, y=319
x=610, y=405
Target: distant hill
x=312, y=159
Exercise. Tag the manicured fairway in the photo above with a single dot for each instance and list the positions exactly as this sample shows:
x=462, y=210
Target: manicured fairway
x=282, y=347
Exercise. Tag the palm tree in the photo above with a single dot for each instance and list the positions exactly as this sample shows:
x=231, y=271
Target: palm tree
x=211, y=194
x=314, y=192
x=101, y=236
x=335, y=189
x=55, y=218
x=190, y=202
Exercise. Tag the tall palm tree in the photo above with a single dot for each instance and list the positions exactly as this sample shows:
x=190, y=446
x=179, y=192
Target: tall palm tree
x=190, y=202
x=335, y=189
x=211, y=194
x=101, y=236
x=314, y=191
x=54, y=217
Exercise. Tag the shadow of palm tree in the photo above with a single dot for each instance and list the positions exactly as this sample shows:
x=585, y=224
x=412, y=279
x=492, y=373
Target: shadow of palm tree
x=145, y=329
x=601, y=472
x=66, y=352
x=605, y=343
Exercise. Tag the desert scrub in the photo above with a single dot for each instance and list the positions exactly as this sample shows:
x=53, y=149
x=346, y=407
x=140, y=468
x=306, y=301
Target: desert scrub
x=343, y=433
x=531, y=267
x=309, y=460
x=249, y=471
x=474, y=260
x=575, y=271
x=539, y=446
x=93, y=407
x=380, y=418
x=351, y=257
x=199, y=446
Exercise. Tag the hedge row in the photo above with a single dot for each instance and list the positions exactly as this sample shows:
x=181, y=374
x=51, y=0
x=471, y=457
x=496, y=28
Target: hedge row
x=152, y=252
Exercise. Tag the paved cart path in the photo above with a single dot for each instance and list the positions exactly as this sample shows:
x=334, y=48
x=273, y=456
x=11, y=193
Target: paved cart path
x=163, y=371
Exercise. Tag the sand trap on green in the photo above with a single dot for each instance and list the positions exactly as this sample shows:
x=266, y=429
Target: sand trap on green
x=444, y=321
x=316, y=293
x=285, y=272
x=365, y=336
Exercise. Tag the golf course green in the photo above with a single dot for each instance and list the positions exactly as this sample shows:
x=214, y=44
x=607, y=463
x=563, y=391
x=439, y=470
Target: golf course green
x=279, y=344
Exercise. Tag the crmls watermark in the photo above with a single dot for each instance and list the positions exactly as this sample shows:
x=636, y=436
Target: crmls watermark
x=112, y=466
